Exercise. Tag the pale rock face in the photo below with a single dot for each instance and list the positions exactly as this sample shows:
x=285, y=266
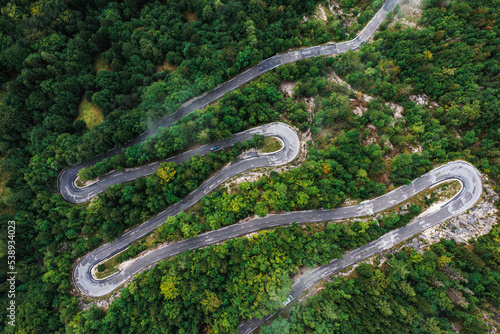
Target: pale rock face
x=286, y=87
x=397, y=109
x=419, y=99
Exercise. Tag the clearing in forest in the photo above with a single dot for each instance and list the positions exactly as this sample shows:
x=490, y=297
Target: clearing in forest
x=190, y=16
x=100, y=64
x=90, y=113
x=321, y=13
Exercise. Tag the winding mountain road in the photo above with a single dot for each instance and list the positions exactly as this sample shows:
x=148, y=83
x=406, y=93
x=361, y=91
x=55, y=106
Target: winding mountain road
x=67, y=177
x=458, y=170
x=97, y=288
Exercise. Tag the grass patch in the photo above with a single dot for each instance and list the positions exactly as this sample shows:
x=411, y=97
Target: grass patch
x=165, y=66
x=110, y=267
x=4, y=177
x=100, y=64
x=271, y=144
x=190, y=16
x=90, y=113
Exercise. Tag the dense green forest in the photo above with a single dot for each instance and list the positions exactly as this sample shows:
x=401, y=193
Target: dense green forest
x=135, y=61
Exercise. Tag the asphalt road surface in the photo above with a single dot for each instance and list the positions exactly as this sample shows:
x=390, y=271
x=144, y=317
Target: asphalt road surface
x=459, y=170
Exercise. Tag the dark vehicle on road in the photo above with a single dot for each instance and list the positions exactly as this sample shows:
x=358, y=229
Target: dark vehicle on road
x=214, y=148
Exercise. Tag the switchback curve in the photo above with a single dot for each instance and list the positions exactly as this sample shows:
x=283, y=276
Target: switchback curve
x=466, y=173
x=462, y=171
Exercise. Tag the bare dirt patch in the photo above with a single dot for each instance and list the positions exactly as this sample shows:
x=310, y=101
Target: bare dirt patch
x=349, y=202
x=358, y=104
x=348, y=19
x=321, y=13
x=373, y=138
x=246, y=177
x=419, y=99
x=397, y=109
x=416, y=149
x=491, y=317
x=359, y=110
x=312, y=107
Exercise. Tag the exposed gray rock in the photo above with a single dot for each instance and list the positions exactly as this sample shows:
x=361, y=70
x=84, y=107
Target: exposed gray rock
x=473, y=223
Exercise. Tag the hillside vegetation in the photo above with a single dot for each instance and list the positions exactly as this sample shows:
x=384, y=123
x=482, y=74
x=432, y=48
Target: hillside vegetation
x=412, y=98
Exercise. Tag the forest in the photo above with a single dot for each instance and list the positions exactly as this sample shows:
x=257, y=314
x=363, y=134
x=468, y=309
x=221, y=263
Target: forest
x=132, y=62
